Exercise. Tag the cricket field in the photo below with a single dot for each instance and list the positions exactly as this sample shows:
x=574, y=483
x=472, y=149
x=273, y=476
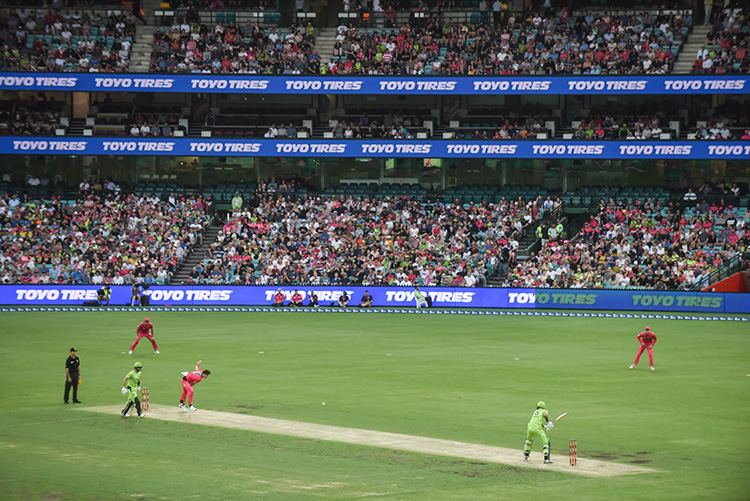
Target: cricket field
x=417, y=407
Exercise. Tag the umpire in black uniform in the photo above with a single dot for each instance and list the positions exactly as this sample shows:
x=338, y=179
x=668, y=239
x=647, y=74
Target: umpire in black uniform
x=72, y=375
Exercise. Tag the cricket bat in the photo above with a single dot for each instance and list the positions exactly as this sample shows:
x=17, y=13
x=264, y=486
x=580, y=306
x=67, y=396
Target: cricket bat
x=560, y=417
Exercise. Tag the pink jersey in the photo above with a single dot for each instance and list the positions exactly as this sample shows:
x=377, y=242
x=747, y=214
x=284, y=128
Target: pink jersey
x=194, y=377
x=647, y=337
x=145, y=327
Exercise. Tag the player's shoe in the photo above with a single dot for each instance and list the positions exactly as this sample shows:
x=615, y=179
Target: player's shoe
x=182, y=406
x=632, y=366
x=123, y=414
x=547, y=461
x=156, y=352
x=652, y=368
x=193, y=408
x=141, y=415
x=525, y=456
x=130, y=352
x=77, y=402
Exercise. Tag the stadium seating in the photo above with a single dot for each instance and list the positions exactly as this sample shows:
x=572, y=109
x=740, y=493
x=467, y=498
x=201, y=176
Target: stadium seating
x=65, y=42
x=110, y=240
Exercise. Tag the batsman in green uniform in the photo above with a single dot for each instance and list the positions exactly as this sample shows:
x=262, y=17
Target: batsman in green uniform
x=538, y=423
x=130, y=386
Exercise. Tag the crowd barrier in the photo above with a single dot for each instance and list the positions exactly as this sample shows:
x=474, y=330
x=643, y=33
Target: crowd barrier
x=262, y=84
x=412, y=148
x=548, y=299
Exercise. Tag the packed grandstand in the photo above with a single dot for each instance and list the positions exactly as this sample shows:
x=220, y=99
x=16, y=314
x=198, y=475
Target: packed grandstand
x=536, y=43
x=473, y=222
x=283, y=234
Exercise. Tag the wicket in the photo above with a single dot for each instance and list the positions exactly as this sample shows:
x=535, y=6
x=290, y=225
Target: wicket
x=573, y=453
x=144, y=397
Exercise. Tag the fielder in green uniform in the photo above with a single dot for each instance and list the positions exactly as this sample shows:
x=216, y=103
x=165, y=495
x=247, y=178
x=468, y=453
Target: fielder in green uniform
x=130, y=386
x=538, y=423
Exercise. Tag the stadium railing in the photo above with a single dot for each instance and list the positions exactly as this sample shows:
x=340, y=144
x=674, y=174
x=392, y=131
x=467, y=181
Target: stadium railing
x=729, y=268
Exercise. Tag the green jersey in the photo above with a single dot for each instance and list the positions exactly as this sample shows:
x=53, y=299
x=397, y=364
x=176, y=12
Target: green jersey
x=537, y=419
x=134, y=379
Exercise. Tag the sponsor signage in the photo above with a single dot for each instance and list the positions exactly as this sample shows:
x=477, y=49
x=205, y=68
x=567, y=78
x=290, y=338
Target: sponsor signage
x=613, y=150
x=262, y=84
x=548, y=299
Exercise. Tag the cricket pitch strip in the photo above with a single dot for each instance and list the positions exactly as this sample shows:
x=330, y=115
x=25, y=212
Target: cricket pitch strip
x=397, y=441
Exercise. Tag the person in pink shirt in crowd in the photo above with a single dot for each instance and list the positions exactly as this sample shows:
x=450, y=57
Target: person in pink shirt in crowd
x=189, y=379
x=145, y=328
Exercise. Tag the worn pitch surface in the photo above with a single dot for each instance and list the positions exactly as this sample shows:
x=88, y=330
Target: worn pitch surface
x=397, y=441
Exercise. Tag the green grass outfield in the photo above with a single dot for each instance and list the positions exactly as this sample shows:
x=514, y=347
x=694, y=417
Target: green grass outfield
x=465, y=378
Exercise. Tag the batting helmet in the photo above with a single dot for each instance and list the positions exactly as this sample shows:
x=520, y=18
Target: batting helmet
x=137, y=365
x=541, y=405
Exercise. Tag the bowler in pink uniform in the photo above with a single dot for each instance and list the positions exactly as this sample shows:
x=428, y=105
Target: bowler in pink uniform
x=189, y=379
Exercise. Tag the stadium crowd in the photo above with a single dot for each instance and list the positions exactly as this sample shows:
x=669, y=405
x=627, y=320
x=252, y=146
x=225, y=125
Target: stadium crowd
x=283, y=237
x=726, y=47
x=338, y=241
x=729, y=121
x=65, y=41
x=195, y=48
x=588, y=44
x=639, y=245
x=153, y=124
x=392, y=126
x=26, y=122
x=98, y=239
x=607, y=127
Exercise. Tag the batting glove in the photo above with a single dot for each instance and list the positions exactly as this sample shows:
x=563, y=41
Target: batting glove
x=139, y=388
x=124, y=391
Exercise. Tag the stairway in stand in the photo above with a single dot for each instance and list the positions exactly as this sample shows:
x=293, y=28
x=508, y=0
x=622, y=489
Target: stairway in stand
x=695, y=40
x=76, y=127
x=183, y=273
x=140, y=53
x=324, y=40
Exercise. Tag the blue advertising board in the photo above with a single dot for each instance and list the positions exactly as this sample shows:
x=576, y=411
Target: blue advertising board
x=448, y=297
x=263, y=84
x=412, y=148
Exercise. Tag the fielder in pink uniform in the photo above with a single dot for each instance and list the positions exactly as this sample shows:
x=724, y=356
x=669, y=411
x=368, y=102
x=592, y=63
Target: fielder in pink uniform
x=188, y=380
x=647, y=340
x=146, y=329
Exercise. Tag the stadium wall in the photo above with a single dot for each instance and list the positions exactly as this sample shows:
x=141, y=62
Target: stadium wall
x=548, y=299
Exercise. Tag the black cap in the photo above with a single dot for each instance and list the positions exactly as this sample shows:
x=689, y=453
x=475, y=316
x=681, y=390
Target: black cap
x=73, y=349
